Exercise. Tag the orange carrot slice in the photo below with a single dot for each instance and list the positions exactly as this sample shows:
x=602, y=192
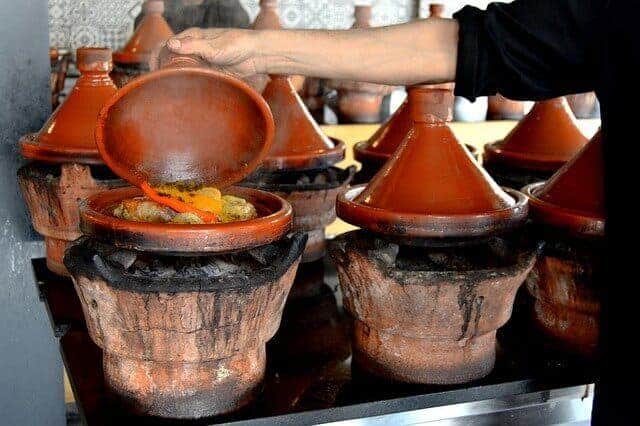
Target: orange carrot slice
x=177, y=205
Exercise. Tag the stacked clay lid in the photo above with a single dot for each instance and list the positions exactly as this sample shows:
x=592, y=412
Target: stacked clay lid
x=152, y=31
x=545, y=139
x=190, y=125
x=267, y=18
x=431, y=187
x=298, y=144
x=573, y=198
x=68, y=135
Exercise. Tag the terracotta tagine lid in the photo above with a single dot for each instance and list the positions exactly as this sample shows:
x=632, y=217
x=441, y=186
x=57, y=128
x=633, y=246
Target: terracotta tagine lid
x=436, y=10
x=545, y=139
x=432, y=187
x=267, y=18
x=187, y=124
x=298, y=142
x=152, y=31
x=573, y=198
x=68, y=135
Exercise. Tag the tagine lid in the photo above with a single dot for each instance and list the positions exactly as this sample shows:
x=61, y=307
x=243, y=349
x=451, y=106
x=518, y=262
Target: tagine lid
x=267, y=18
x=68, y=134
x=185, y=123
x=544, y=140
x=152, y=31
x=573, y=198
x=432, y=187
x=298, y=144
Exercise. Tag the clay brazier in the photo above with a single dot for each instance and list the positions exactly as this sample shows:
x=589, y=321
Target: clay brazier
x=299, y=166
x=67, y=166
x=431, y=276
x=568, y=215
x=542, y=142
x=183, y=312
x=359, y=102
x=133, y=59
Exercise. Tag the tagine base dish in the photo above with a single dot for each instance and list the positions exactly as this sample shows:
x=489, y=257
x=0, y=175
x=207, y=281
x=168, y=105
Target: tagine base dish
x=513, y=177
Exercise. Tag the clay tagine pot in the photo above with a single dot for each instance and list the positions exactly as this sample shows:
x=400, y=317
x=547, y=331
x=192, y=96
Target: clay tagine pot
x=359, y=102
x=66, y=164
x=434, y=272
x=544, y=140
x=133, y=59
x=501, y=108
x=182, y=323
x=374, y=152
x=299, y=166
x=569, y=216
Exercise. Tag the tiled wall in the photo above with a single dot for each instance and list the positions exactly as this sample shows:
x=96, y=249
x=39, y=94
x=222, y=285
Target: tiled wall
x=75, y=23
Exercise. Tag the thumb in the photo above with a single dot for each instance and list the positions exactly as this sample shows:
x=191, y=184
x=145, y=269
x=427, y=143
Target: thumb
x=192, y=46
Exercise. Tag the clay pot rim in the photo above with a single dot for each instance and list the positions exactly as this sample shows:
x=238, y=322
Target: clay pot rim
x=177, y=238
x=544, y=163
x=32, y=149
x=230, y=178
x=130, y=58
x=574, y=221
x=349, y=173
x=430, y=226
x=362, y=153
x=307, y=161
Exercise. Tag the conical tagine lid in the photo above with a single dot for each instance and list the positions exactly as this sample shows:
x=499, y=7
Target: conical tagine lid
x=298, y=142
x=267, y=18
x=573, y=198
x=68, y=135
x=544, y=140
x=432, y=187
x=152, y=31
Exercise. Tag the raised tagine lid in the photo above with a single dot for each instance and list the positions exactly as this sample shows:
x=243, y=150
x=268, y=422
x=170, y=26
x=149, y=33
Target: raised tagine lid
x=432, y=187
x=573, y=198
x=68, y=135
x=544, y=140
x=152, y=31
x=298, y=143
x=267, y=18
x=190, y=125
x=386, y=140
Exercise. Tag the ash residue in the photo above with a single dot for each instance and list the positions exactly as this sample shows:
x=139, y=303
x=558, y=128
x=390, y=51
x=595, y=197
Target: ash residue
x=294, y=180
x=149, y=272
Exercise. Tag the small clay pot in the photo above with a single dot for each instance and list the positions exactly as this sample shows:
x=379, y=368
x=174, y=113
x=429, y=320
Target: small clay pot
x=428, y=315
x=188, y=342
x=52, y=194
x=133, y=59
x=501, y=108
x=313, y=198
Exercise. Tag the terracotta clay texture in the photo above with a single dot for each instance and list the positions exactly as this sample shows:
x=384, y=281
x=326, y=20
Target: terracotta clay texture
x=545, y=139
x=501, y=108
x=180, y=346
x=273, y=222
x=377, y=150
x=152, y=31
x=359, y=102
x=313, y=203
x=563, y=283
x=68, y=135
x=432, y=187
x=298, y=142
x=267, y=18
x=427, y=315
x=52, y=195
x=436, y=10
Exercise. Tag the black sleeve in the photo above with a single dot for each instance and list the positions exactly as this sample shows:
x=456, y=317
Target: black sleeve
x=528, y=49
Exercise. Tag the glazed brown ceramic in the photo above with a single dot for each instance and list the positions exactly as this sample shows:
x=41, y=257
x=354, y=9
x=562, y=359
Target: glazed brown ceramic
x=273, y=222
x=432, y=187
x=420, y=324
x=182, y=347
x=68, y=135
x=583, y=105
x=184, y=125
x=298, y=142
x=501, y=108
x=52, y=196
x=545, y=139
x=570, y=215
x=152, y=31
